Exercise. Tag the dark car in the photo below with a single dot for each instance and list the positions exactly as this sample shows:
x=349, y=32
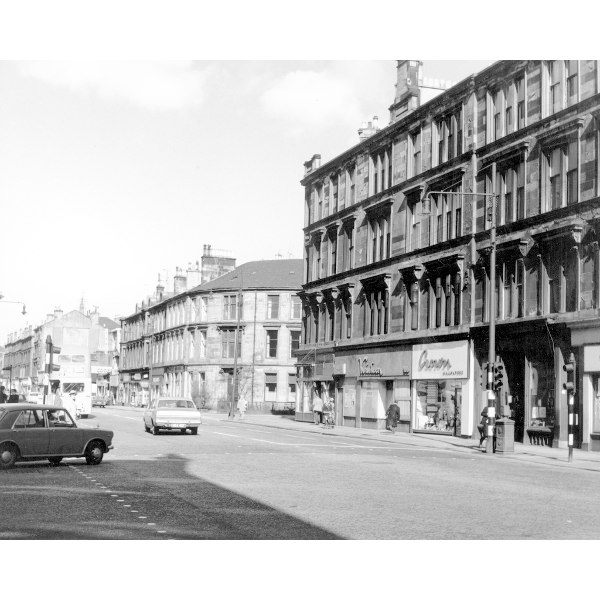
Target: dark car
x=40, y=431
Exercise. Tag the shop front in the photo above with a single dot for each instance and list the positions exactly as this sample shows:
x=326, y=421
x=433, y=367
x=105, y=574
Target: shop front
x=315, y=380
x=586, y=347
x=366, y=383
x=441, y=390
x=530, y=354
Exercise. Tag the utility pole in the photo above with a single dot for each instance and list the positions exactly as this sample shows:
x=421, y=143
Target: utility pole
x=489, y=446
x=239, y=305
x=570, y=386
x=491, y=396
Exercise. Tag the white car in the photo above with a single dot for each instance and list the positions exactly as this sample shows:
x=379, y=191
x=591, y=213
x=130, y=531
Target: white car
x=35, y=398
x=172, y=413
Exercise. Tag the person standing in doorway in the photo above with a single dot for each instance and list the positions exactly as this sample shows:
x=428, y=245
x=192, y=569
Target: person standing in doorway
x=318, y=410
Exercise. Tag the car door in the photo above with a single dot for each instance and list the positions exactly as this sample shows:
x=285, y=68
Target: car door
x=30, y=433
x=64, y=435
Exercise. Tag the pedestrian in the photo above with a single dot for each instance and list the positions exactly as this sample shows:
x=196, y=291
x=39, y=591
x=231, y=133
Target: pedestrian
x=3, y=396
x=393, y=415
x=69, y=402
x=14, y=397
x=242, y=404
x=318, y=410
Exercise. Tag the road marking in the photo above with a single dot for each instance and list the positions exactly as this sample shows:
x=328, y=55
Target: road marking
x=259, y=430
x=300, y=437
x=228, y=434
x=120, y=500
x=114, y=496
x=141, y=517
x=161, y=532
x=151, y=524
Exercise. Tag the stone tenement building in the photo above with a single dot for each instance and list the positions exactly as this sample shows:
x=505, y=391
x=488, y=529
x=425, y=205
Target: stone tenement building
x=396, y=275
x=184, y=344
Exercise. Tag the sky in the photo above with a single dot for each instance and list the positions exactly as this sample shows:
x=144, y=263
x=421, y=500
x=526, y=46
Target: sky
x=112, y=172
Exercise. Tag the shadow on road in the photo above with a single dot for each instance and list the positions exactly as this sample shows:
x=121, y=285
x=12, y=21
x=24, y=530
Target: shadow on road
x=42, y=502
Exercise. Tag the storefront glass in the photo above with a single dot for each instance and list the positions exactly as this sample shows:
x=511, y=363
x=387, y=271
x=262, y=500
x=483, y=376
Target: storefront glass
x=541, y=413
x=438, y=405
x=596, y=403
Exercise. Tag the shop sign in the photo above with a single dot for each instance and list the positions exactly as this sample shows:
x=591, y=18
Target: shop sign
x=137, y=376
x=591, y=358
x=379, y=362
x=126, y=377
x=101, y=370
x=177, y=369
x=157, y=379
x=366, y=369
x=447, y=360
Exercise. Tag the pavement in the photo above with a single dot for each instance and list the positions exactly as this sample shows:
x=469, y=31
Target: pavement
x=542, y=455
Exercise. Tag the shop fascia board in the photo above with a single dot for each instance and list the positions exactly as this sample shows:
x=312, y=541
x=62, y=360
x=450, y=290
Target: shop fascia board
x=446, y=334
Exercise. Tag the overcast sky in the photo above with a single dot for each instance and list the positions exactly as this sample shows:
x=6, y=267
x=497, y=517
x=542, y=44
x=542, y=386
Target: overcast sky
x=112, y=171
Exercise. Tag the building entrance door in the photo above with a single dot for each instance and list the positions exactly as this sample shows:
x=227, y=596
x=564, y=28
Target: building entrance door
x=514, y=395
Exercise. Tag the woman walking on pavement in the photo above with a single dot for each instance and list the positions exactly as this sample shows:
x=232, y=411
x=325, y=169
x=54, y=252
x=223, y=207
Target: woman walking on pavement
x=393, y=415
x=241, y=406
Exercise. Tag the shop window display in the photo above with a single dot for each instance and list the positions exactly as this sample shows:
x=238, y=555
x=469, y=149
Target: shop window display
x=438, y=406
x=541, y=412
x=596, y=401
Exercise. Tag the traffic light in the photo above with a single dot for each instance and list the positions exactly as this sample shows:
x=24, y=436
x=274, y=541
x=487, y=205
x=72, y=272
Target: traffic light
x=484, y=372
x=51, y=350
x=498, y=376
x=570, y=369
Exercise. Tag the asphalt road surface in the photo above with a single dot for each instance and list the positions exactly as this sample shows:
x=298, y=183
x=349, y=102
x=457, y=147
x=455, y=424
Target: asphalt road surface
x=244, y=481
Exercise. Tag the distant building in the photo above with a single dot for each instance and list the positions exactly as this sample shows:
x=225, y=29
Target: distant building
x=133, y=383
x=186, y=344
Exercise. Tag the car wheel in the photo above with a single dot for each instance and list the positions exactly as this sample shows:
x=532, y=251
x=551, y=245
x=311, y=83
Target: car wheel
x=194, y=430
x=146, y=428
x=154, y=429
x=183, y=431
x=55, y=460
x=8, y=456
x=94, y=453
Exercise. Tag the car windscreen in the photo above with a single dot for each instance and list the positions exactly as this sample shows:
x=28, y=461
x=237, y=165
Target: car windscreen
x=176, y=404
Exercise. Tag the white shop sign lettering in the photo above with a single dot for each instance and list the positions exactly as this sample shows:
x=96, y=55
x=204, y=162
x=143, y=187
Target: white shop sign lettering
x=448, y=360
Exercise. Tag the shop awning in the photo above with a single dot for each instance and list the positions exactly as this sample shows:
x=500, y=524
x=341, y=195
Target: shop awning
x=291, y=378
x=271, y=377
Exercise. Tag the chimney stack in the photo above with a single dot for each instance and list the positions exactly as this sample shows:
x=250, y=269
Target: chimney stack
x=179, y=282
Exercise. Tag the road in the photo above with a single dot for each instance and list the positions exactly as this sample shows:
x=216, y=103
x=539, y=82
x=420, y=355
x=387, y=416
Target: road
x=245, y=481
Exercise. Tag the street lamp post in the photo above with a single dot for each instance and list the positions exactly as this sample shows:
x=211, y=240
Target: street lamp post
x=491, y=396
x=14, y=302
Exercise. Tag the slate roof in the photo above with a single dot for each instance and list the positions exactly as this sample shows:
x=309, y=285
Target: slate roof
x=259, y=274
x=108, y=323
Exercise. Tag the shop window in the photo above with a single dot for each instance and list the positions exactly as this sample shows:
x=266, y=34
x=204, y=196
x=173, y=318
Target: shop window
x=596, y=403
x=541, y=410
x=438, y=406
x=562, y=266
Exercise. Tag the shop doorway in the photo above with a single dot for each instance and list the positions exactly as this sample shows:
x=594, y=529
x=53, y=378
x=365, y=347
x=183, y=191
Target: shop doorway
x=514, y=394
